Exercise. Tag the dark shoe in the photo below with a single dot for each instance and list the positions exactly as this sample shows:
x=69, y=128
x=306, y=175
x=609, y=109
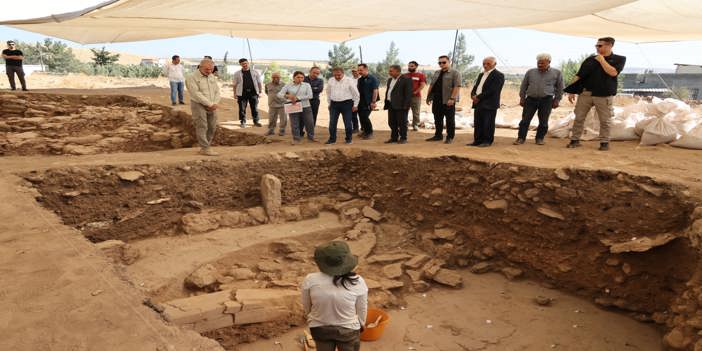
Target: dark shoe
x=475, y=143
x=519, y=141
x=390, y=141
x=604, y=146
x=329, y=142
x=270, y=132
x=182, y=103
x=282, y=133
x=540, y=142
x=173, y=103
x=573, y=144
x=367, y=136
x=402, y=141
x=348, y=142
x=435, y=138
x=258, y=124
x=448, y=141
x=485, y=145
x=25, y=89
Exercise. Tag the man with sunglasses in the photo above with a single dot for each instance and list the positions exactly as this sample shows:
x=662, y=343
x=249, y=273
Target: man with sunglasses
x=443, y=91
x=596, y=84
x=13, y=65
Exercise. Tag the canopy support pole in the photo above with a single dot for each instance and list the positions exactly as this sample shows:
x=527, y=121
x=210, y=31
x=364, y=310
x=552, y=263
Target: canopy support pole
x=453, y=53
x=250, y=55
x=360, y=53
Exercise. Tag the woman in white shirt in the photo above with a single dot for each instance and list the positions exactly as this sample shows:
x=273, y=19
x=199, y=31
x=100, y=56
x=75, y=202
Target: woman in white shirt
x=335, y=299
x=299, y=92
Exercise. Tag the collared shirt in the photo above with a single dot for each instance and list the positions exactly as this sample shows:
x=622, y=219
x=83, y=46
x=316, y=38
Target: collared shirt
x=391, y=86
x=203, y=89
x=538, y=84
x=596, y=80
x=485, y=76
x=174, y=72
x=366, y=85
x=342, y=90
x=450, y=79
x=272, y=91
x=302, y=92
x=417, y=79
x=317, y=85
x=326, y=304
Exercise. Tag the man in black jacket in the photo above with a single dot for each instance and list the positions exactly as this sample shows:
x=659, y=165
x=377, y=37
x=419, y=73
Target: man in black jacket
x=486, y=100
x=398, y=98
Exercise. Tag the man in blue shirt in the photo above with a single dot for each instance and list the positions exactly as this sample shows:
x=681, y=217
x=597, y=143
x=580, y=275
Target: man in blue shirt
x=368, y=91
x=317, y=85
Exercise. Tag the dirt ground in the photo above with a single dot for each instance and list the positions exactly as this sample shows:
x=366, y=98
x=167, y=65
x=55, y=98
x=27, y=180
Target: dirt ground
x=63, y=294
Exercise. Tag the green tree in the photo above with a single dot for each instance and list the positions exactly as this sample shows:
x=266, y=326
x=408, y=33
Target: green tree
x=341, y=56
x=392, y=57
x=103, y=57
x=570, y=68
x=54, y=56
x=462, y=61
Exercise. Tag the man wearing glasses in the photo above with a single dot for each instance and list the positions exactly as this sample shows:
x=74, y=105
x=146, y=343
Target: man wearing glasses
x=596, y=84
x=13, y=65
x=443, y=91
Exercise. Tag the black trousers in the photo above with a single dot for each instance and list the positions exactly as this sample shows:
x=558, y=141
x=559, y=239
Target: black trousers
x=364, y=119
x=544, y=106
x=250, y=100
x=484, y=126
x=19, y=71
x=440, y=112
x=397, y=120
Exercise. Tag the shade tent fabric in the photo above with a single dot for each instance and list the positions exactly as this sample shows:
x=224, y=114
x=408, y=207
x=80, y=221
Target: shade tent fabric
x=337, y=20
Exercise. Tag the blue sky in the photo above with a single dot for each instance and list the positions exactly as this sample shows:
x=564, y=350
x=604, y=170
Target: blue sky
x=513, y=47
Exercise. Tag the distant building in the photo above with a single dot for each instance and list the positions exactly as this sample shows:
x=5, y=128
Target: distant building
x=661, y=84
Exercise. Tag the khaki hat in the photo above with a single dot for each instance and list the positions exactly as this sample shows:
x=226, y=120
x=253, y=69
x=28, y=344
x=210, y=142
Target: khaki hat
x=335, y=258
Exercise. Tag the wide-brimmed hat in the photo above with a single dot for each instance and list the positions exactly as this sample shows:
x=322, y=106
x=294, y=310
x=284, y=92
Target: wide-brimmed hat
x=335, y=258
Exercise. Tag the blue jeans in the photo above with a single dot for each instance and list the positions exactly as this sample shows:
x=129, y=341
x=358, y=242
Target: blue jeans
x=176, y=87
x=345, y=108
x=544, y=106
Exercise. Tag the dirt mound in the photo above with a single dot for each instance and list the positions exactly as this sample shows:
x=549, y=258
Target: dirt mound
x=80, y=125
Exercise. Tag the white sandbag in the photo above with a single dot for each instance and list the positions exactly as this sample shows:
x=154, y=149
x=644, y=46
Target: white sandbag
x=638, y=107
x=623, y=130
x=686, y=123
x=690, y=140
x=560, y=128
x=680, y=107
x=642, y=124
x=659, y=131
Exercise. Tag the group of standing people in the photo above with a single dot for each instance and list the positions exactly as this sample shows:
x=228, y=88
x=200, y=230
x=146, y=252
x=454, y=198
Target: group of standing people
x=353, y=98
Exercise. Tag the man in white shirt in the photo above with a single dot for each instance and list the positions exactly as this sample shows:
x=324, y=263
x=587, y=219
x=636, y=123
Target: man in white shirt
x=343, y=97
x=204, y=99
x=174, y=72
x=354, y=116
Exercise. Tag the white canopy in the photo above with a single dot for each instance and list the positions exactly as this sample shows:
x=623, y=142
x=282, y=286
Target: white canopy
x=340, y=20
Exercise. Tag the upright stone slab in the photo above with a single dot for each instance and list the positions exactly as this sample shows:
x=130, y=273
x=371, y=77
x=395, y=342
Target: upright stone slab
x=271, y=196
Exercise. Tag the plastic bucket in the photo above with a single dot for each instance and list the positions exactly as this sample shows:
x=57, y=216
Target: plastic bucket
x=372, y=334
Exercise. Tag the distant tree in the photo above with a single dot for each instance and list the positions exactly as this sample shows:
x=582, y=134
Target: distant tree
x=462, y=61
x=341, y=56
x=681, y=93
x=392, y=57
x=103, y=57
x=570, y=68
x=54, y=56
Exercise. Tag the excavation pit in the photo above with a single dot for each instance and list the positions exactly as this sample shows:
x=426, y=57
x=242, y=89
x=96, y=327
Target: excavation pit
x=624, y=242
x=65, y=124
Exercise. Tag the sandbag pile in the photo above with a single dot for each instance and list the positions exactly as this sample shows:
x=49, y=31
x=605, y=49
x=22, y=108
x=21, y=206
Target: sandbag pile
x=660, y=121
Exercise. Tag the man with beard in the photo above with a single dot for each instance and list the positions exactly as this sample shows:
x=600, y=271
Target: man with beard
x=419, y=81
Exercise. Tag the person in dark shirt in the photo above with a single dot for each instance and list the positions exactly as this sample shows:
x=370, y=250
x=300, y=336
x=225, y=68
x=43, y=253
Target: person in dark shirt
x=596, y=82
x=13, y=65
x=247, y=84
x=367, y=86
x=317, y=85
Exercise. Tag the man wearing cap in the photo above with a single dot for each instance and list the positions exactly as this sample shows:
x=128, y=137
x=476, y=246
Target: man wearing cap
x=204, y=99
x=335, y=299
x=13, y=65
x=276, y=110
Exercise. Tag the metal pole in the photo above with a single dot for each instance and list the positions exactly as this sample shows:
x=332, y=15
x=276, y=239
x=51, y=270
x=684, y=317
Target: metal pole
x=250, y=55
x=453, y=53
x=360, y=52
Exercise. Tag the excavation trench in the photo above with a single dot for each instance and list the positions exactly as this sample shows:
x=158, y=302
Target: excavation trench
x=56, y=124
x=620, y=240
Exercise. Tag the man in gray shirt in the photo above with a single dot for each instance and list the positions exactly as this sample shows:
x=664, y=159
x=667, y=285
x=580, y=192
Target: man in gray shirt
x=541, y=90
x=276, y=112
